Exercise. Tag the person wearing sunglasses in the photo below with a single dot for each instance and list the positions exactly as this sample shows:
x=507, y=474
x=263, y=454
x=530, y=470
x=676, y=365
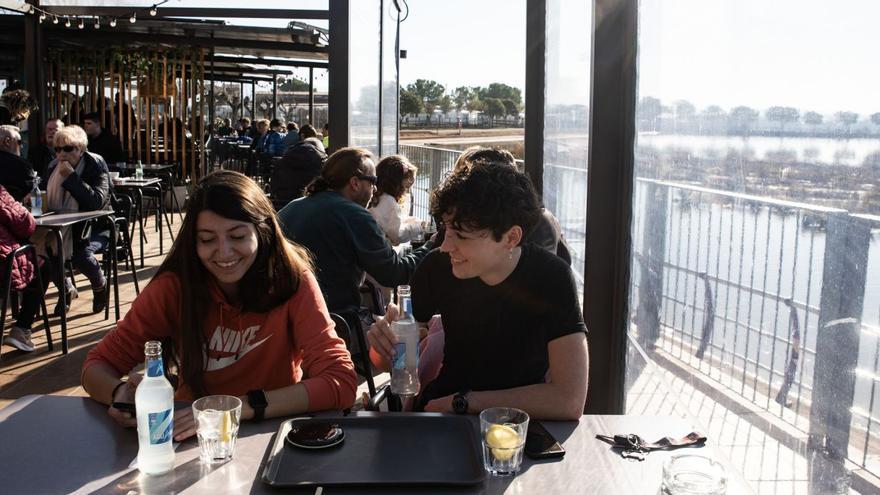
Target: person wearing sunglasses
x=78, y=180
x=333, y=223
x=16, y=174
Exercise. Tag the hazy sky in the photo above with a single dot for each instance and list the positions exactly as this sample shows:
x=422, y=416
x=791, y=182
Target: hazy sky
x=811, y=54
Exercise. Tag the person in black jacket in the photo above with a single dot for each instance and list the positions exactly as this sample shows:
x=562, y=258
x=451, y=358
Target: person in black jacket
x=300, y=165
x=42, y=154
x=80, y=180
x=101, y=141
x=16, y=174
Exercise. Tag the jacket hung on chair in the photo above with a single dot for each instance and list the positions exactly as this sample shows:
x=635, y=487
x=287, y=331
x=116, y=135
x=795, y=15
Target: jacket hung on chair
x=16, y=225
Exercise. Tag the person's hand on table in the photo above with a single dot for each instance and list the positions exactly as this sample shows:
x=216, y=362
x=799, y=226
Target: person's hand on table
x=440, y=404
x=184, y=424
x=65, y=169
x=380, y=337
x=125, y=393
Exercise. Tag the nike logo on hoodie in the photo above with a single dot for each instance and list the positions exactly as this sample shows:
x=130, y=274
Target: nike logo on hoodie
x=227, y=346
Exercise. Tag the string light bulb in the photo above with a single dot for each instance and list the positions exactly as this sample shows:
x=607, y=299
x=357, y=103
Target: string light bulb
x=97, y=23
x=82, y=24
x=67, y=22
x=153, y=11
x=113, y=22
x=42, y=17
x=55, y=20
x=133, y=18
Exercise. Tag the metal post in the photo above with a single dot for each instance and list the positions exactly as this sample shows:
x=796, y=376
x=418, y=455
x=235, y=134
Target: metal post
x=339, y=54
x=274, y=95
x=536, y=13
x=609, y=200
x=651, y=263
x=34, y=76
x=213, y=104
x=311, y=96
x=381, y=86
x=241, y=99
x=844, y=274
x=253, y=101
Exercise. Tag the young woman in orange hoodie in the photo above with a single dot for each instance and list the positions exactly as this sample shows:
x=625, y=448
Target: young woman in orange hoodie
x=239, y=312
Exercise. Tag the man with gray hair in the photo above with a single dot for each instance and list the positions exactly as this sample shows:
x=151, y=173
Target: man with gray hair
x=16, y=174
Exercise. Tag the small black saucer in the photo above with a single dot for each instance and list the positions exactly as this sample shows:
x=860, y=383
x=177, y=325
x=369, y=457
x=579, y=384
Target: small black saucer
x=316, y=435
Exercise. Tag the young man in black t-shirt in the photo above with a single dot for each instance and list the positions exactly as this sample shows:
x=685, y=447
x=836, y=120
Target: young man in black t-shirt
x=513, y=329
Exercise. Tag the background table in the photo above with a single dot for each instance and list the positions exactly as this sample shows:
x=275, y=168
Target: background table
x=56, y=222
x=137, y=186
x=53, y=444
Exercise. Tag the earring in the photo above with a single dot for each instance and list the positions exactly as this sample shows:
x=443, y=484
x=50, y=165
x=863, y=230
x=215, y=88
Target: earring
x=510, y=254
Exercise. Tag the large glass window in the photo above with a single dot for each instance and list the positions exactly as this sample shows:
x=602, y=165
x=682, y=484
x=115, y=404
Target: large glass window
x=363, y=74
x=754, y=217
x=390, y=17
x=567, y=121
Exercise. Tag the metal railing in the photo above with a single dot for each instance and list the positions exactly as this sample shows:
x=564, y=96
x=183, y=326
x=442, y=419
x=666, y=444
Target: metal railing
x=766, y=298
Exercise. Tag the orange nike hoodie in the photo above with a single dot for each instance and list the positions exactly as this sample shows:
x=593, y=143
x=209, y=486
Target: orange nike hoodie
x=245, y=350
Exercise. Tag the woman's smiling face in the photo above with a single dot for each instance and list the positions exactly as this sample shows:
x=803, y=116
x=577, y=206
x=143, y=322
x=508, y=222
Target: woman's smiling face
x=226, y=247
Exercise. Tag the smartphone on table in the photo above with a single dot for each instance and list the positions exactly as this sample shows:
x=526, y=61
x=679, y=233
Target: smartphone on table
x=540, y=444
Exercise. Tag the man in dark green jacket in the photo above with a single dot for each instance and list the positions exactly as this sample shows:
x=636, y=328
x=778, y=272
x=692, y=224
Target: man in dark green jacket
x=332, y=222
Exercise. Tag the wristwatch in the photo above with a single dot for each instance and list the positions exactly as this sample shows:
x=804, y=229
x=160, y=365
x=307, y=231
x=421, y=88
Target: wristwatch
x=257, y=401
x=460, y=402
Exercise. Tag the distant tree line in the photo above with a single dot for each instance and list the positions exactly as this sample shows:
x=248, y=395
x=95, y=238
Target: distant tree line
x=681, y=116
x=495, y=100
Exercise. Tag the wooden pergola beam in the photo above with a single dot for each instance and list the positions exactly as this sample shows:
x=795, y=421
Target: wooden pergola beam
x=162, y=12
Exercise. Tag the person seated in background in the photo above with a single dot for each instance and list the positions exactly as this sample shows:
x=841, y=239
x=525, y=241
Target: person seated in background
x=272, y=144
x=325, y=135
x=16, y=174
x=297, y=168
x=225, y=128
x=514, y=333
x=547, y=233
x=42, y=154
x=333, y=223
x=396, y=176
x=238, y=311
x=16, y=105
x=292, y=136
x=78, y=180
x=101, y=141
x=16, y=226
x=244, y=131
x=262, y=127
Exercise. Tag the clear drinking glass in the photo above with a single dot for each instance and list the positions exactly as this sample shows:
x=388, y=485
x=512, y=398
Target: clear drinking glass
x=693, y=474
x=503, y=435
x=217, y=418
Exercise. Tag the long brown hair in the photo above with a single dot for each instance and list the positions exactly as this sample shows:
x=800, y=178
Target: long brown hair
x=272, y=279
x=338, y=169
x=391, y=172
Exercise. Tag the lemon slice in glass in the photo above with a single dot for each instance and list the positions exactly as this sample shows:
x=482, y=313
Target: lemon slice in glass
x=503, y=440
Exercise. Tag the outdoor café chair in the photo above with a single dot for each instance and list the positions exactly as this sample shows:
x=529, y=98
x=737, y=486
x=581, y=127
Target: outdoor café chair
x=25, y=250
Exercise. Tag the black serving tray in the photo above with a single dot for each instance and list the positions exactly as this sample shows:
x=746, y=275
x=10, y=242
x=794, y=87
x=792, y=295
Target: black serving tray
x=391, y=449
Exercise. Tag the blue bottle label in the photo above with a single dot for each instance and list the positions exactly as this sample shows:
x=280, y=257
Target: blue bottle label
x=154, y=367
x=399, y=356
x=161, y=425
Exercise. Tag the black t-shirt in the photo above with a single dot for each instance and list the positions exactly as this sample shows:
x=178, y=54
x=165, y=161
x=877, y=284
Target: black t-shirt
x=496, y=336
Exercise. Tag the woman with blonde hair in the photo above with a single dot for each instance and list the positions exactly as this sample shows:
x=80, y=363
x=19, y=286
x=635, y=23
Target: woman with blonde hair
x=239, y=312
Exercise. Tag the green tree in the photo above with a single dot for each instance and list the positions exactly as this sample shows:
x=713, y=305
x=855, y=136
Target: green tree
x=445, y=104
x=742, y=119
x=291, y=84
x=476, y=105
x=510, y=106
x=847, y=119
x=495, y=107
x=410, y=103
x=430, y=92
x=462, y=96
x=813, y=118
x=783, y=115
x=875, y=118
x=648, y=112
x=712, y=118
x=502, y=92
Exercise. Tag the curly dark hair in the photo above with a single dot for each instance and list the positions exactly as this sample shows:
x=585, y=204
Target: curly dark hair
x=19, y=103
x=391, y=172
x=490, y=195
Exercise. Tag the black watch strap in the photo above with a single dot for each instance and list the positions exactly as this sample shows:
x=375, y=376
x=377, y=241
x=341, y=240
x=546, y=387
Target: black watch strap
x=460, y=402
x=257, y=401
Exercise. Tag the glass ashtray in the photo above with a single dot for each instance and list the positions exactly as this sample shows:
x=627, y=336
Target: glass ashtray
x=693, y=474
